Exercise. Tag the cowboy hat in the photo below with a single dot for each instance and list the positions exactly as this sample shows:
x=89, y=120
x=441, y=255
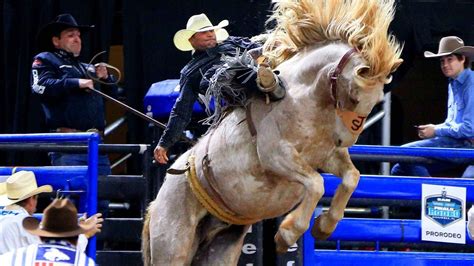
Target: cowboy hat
x=20, y=186
x=198, y=23
x=59, y=220
x=60, y=23
x=451, y=45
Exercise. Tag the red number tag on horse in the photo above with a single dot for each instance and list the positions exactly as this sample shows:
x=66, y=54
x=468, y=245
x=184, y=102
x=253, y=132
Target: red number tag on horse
x=353, y=121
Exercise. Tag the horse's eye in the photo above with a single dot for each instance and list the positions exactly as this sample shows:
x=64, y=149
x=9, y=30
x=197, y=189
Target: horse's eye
x=354, y=101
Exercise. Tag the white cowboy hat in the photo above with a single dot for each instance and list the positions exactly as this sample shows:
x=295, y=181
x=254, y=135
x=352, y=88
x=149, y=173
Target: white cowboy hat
x=199, y=23
x=451, y=45
x=20, y=186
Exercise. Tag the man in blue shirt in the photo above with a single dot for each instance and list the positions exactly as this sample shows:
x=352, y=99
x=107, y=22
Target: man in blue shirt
x=457, y=131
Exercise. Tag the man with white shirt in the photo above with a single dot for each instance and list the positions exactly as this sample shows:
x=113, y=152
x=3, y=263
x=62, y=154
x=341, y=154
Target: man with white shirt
x=19, y=200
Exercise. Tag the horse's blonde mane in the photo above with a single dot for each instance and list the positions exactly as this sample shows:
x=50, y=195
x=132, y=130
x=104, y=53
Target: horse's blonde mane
x=363, y=24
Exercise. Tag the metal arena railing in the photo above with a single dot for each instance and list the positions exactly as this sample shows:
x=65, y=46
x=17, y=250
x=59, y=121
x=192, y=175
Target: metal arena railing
x=65, y=178
x=389, y=230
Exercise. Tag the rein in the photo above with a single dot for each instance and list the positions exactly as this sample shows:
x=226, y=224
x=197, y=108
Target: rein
x=123, y=105
x=107, y=66
x=353, y=121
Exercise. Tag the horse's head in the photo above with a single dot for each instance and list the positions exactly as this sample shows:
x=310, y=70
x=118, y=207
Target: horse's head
x=353, y=96
x=352, y=73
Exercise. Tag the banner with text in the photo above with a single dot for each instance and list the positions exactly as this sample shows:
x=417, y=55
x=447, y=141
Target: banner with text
x=443, y=214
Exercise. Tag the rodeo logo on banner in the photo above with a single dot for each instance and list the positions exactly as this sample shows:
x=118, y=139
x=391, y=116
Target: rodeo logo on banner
x=443, y=214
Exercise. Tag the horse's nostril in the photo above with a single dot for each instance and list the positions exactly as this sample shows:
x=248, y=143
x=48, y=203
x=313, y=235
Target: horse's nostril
x=339, y=142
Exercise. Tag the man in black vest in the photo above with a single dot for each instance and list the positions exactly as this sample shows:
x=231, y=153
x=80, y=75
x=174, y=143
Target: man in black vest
x=208, y=44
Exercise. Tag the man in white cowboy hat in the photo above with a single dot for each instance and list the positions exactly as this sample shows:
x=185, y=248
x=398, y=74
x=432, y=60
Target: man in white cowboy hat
x=20, y=200
x=457, y=131
x=59, y=231
x=208, y=43
x=61, y=81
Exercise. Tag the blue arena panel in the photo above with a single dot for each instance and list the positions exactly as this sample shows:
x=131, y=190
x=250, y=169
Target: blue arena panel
x=66, y=178
x=59, y=177
x=160, y=98
x=50, y=137
x=394, y=258
x=430, y=152
x=396, y=187
x=388, y=230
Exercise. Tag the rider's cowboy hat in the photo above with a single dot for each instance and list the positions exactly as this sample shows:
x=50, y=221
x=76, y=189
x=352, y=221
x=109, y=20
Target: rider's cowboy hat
x=198, y=23
x=451, y=45
x=60, y=23
x=59, y=220
x=20, y=186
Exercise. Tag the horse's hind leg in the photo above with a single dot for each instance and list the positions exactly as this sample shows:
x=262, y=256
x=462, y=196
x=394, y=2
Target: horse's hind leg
x=174, y=217
x=340, y=165
x=224, y=248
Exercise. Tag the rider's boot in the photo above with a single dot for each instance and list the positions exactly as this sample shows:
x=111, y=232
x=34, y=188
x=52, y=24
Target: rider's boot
x=269, y=83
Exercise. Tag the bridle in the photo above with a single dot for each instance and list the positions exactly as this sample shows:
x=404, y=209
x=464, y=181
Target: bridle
x=353, y=121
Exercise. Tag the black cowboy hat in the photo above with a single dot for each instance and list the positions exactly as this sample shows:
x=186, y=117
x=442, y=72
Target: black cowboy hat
x=60, y=23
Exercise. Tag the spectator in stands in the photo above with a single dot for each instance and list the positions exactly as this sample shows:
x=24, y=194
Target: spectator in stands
x=20, y=201
x=208, y=44
x=62, y=82
x=457, y=131
x=59, y=231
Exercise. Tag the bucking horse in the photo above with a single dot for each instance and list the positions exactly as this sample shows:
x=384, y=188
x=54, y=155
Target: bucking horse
x=262, y=160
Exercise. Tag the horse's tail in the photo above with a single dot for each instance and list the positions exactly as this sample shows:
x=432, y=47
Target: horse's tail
x=146, y=253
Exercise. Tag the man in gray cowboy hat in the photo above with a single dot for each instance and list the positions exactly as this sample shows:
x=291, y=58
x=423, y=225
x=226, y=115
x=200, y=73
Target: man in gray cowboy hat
x=208, y=43
x=20, y=198
x=457, y=131
x=61, y=81
x=59, y=231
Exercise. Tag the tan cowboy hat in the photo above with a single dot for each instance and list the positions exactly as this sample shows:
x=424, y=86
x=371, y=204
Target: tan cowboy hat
x=451, y=45
x=20, y=186
x=59, y=220
x=198, y=23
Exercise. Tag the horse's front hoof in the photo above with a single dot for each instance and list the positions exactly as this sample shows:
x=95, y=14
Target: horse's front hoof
x=281, y=245
x=316, y=230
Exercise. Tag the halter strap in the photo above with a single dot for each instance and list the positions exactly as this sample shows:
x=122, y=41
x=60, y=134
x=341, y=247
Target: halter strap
x=353, y=121
x=335, y=74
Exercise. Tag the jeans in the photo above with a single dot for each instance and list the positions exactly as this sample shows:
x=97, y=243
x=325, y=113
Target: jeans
x=409, y=169
x=58, y=158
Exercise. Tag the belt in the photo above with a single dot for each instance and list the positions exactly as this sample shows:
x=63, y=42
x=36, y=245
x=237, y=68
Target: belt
x=73, y=130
